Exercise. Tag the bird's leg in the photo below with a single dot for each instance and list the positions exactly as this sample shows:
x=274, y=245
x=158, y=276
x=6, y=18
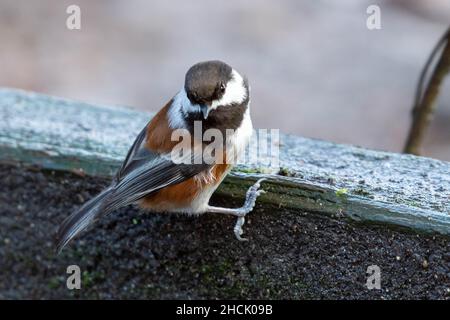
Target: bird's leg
x=250, y=199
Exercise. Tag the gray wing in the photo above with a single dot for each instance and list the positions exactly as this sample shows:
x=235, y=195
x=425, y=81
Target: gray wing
x=149, y=177
x=134, y=155
x=144, y=172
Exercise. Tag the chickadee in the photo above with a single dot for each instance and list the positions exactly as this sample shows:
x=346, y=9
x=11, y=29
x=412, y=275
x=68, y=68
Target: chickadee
x=214, y=96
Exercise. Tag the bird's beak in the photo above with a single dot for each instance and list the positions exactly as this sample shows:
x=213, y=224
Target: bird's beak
x=205, y=110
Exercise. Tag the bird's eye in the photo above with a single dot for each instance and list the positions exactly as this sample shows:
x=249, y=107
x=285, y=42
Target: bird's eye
x=222, y=88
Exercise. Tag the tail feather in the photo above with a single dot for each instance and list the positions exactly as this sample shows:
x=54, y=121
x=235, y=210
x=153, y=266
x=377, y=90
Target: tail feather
x=81, y=219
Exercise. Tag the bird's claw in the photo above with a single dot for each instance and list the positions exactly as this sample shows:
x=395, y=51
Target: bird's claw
x=250, y=199
x=238, y=228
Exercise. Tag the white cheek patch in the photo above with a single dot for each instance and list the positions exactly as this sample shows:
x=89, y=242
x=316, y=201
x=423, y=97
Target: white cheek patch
x=235, y=92
x=241, y=137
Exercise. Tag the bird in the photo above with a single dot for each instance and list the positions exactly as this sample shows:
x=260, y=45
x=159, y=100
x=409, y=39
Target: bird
x=215, y=98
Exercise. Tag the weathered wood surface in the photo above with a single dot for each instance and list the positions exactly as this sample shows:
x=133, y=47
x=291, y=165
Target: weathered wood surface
x=323, y=177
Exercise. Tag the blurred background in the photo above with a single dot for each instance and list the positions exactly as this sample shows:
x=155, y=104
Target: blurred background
x=314, y=67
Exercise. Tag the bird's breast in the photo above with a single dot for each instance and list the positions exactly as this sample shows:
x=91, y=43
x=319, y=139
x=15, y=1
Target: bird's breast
x=193, y=194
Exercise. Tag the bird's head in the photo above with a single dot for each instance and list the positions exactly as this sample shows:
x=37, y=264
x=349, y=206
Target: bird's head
x=213, y=84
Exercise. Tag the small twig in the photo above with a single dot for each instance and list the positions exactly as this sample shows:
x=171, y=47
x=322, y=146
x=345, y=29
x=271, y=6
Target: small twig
x=425, y=99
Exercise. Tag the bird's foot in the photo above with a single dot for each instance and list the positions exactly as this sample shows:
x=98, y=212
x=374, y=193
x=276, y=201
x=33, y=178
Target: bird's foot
x=250, y=199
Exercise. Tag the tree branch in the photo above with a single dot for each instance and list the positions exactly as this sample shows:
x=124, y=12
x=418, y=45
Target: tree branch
x=424, y=103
